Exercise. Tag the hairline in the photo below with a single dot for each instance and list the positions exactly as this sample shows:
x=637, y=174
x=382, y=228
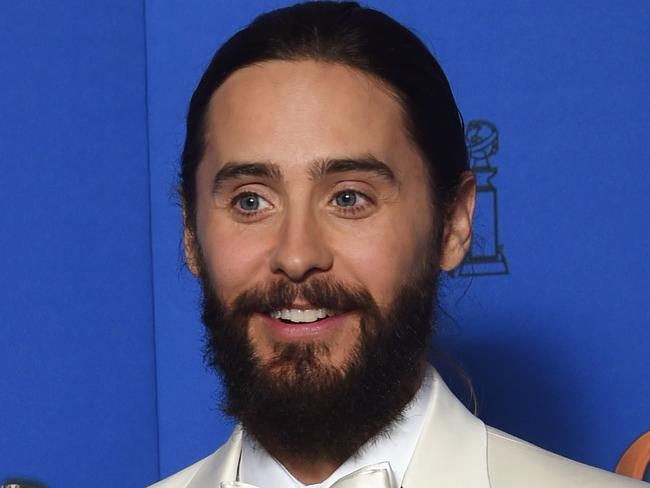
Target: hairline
x=386, y=86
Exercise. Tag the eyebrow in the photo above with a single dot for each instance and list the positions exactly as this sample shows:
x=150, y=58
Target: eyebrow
x=319, y=169
x=368, y=164
x=233, y=171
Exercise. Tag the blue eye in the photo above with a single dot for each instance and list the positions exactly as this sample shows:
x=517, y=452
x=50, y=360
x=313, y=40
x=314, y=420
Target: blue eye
x=249, y=202
x=346, y=199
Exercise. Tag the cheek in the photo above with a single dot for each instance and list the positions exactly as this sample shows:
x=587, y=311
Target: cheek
x=234, y=257
x=231, y=253
x=385, y=257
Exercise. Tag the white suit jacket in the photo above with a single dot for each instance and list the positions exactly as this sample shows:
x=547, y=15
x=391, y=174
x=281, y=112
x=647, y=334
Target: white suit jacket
x=454, y=450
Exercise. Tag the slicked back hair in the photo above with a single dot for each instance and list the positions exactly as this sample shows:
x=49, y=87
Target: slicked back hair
x=362, y=38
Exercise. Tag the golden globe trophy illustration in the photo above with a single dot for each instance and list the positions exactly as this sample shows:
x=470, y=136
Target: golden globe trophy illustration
x=486, y=255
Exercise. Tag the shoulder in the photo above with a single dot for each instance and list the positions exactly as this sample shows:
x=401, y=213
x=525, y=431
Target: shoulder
x=181, y=478
x=219, y=466
x=513, y=462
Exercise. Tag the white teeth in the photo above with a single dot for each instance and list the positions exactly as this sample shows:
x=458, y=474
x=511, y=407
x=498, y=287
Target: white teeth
x=301, y=316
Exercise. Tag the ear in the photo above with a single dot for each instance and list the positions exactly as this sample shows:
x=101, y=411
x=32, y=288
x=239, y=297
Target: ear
x=189, y=248
x=457, y=236
x=190, y=242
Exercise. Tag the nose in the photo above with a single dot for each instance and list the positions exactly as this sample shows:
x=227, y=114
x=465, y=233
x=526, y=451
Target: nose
x=301, y=250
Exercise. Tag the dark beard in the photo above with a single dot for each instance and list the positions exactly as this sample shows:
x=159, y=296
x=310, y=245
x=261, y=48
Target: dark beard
x=298, y=405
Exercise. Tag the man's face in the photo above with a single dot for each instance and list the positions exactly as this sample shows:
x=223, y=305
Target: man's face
x=309, y=174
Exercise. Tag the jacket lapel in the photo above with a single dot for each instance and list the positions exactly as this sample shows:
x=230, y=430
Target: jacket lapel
x=452, y=449
x=220, y=465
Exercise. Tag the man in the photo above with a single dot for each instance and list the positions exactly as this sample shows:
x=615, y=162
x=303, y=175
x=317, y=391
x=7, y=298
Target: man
x=325, y=186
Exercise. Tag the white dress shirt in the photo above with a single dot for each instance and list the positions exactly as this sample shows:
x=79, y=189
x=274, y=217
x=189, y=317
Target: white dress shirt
x=396, y=446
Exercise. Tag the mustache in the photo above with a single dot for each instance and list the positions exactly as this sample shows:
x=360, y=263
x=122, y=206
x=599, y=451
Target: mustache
x=318, y=292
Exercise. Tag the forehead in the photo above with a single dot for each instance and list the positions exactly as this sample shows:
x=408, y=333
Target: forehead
x=296, y=111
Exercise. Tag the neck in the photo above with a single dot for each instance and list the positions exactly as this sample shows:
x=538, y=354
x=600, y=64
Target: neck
x=309, y=472
x=312, y=470
x=315, y=461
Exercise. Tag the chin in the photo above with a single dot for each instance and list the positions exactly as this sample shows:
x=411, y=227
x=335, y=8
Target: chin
x=304, y=361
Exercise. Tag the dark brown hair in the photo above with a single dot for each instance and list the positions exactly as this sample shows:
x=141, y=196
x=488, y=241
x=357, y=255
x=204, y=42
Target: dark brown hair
x=348, y=34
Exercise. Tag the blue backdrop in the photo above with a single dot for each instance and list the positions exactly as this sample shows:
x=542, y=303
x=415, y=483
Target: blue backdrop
x=101, y=378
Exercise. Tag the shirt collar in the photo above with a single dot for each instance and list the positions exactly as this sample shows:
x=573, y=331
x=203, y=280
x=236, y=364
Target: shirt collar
x=396, y=446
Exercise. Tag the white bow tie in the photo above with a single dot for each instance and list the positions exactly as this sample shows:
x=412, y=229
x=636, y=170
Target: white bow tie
x=377, y=475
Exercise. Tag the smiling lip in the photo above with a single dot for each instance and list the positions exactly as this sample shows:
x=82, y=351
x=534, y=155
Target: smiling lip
x=307, y=329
